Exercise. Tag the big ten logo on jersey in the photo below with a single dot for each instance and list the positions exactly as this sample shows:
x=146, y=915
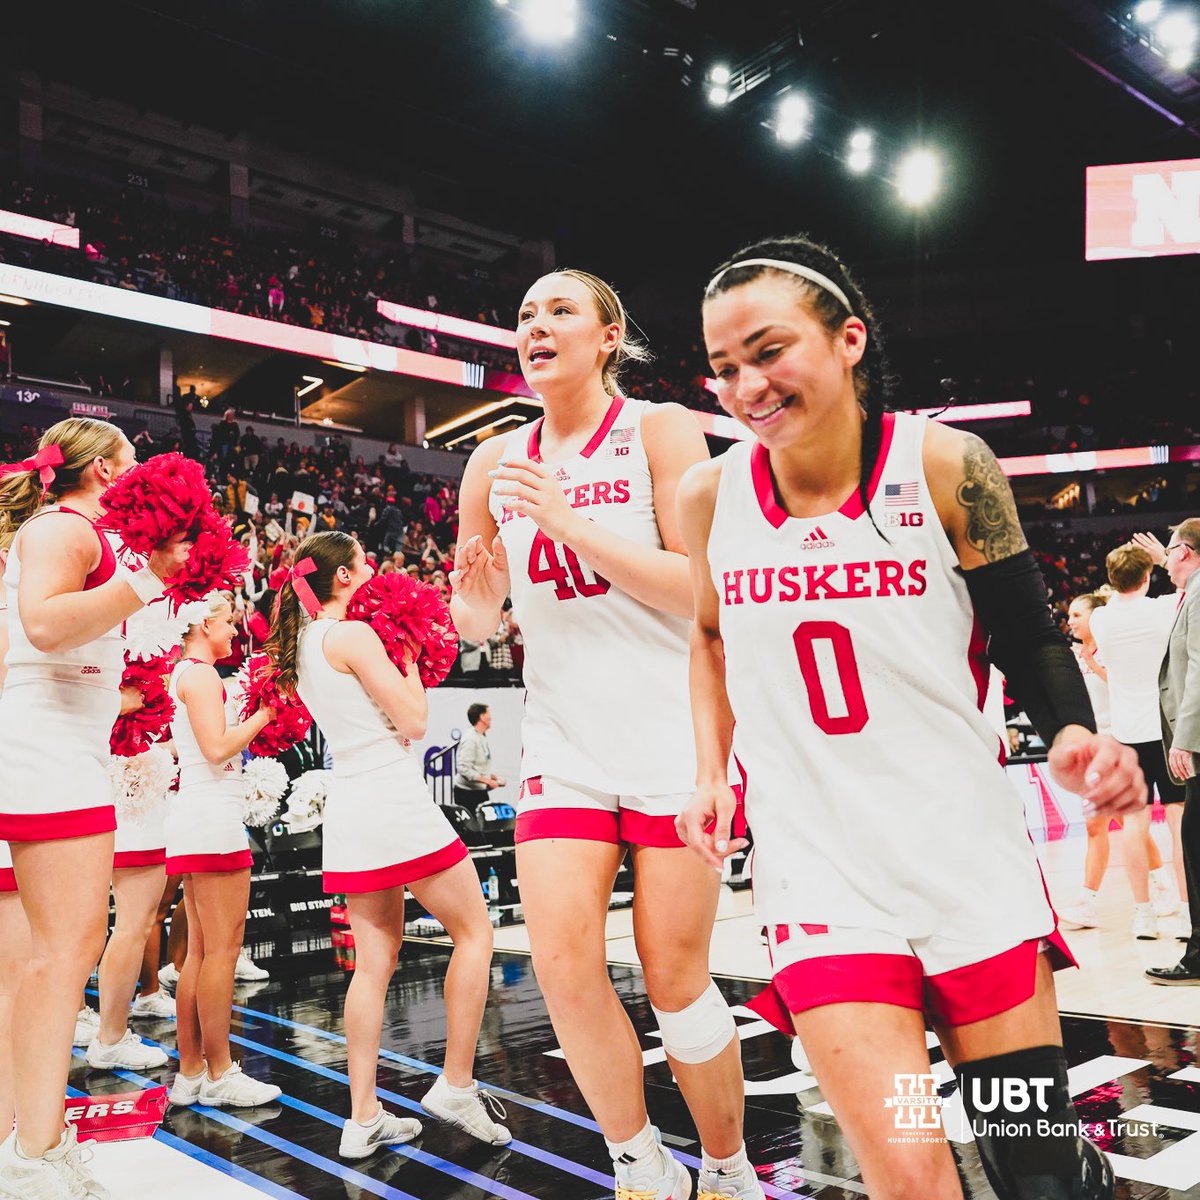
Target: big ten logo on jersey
x=903, y=520
x=619, y=441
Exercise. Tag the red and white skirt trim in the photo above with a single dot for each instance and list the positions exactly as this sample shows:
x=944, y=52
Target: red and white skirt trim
x=553, y=808
x=382, y=829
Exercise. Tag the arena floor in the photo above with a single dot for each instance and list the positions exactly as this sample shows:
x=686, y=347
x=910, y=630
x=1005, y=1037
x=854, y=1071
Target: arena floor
x=1131, y=1045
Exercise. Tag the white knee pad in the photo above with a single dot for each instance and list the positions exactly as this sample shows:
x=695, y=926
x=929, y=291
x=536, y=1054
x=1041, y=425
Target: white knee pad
x=701, y=1031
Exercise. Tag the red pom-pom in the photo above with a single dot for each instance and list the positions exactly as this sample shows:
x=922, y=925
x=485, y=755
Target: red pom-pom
x=163, y=497
x=155, y=500
x=135, y=732
x=216, y=561
x=413, y=622
x=292, y=720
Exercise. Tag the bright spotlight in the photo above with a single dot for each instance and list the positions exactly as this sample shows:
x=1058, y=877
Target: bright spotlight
x=859, y=160
x=718, y=95
x=1147, y=12
x=1179, y=58
x=918, y=177
x=792, y=119
x=862, y=140
x=549, y=20
x=720, y=75
x=1176, y=31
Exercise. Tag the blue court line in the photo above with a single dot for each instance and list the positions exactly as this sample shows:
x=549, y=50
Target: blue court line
x=566, y=1165
x=269, y=1187
x=463, y=1174
x=404, y=1060
x=690, y=1160
x=347, y=1174
x=530, y=1151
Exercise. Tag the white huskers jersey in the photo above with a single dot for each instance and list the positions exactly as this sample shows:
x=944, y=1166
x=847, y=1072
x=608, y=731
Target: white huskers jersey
x=606, y=676
x=857, y=675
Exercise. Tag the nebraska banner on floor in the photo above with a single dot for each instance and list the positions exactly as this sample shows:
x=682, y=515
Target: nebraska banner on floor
x=117, y=1116
x=1141, y=210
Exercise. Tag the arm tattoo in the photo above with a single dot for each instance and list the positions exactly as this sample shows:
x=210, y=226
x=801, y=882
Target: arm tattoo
x=993, y=527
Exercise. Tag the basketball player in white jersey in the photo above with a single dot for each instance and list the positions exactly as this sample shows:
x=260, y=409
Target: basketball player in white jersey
x=574, y=515
x=67, y=600
x=1083, y=913
x=206, y=843
x=853, y=569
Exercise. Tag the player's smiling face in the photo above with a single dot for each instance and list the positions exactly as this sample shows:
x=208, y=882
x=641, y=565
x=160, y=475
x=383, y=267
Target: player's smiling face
x=778, y=370
x=561, y=340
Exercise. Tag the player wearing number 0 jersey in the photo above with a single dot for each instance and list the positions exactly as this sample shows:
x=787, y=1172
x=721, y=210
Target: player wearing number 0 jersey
x=851, y=568
x=857, y=670
x=576, y=626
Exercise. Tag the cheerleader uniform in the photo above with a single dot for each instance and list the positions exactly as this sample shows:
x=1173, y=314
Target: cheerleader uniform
x=141, y=843
x=382, y=827
x=203, y=825
x=8, y=880
x=57, y=712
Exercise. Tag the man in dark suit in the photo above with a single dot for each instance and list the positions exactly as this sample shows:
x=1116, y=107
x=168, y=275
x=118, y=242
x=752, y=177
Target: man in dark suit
x=1179, y=705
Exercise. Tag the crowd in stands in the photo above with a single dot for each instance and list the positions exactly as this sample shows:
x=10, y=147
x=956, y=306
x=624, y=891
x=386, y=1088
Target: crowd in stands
x=132, y=240
x=405, y=520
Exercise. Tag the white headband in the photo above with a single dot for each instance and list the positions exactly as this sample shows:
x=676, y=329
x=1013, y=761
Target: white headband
x=781, y=264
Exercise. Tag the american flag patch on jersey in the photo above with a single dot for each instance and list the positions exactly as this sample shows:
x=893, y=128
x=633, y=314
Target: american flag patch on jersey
x=621, y=435
x=900, y=495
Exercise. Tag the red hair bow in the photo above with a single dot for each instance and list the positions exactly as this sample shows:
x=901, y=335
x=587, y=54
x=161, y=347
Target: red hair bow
x=304, y=593
x=43, y=462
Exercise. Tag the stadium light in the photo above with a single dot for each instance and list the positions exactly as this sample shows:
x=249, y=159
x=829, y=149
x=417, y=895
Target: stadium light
x=718, y=94
x=549, y=20
x=720, y=75
x=918, y=177
x=860, y=157
x=1177, y=34
x=1147, y=12
x=792, y=119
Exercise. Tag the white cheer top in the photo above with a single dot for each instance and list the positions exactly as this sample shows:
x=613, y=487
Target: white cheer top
x=360, y=736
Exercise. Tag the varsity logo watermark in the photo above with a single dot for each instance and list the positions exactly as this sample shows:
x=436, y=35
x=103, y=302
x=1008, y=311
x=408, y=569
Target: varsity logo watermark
x=918, y=1107
x=1000, y=1106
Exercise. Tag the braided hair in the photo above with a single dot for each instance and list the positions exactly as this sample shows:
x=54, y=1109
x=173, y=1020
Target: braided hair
x=873, y=381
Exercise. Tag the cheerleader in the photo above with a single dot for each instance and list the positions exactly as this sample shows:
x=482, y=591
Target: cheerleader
x=14, y=928
x=383, y=832
x=207, y=844
x=138, y=880
x=68, y=599
x=575, y=516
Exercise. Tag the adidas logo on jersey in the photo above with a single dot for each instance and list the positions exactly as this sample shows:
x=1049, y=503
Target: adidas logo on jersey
x=816, y=540
x=561, y=474
x=90, y=671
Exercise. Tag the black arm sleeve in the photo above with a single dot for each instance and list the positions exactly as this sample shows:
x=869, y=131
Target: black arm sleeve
x=1010, y=600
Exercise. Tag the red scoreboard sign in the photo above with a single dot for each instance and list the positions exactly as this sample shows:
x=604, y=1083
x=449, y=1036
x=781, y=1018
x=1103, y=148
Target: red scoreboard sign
x=1142, y=210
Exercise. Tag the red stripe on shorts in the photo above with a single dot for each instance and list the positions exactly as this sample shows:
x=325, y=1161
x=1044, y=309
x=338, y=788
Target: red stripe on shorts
x=641, y=829
x=8, y=880
x=584, y=824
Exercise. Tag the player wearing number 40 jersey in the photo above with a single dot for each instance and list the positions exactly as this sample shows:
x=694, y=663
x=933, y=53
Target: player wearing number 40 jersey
x=852, y=571
x=575, y=518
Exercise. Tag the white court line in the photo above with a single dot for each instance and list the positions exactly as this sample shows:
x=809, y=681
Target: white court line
x=144, y=1167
